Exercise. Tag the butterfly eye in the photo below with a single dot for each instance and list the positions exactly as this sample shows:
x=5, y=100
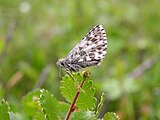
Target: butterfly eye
x=62, y=64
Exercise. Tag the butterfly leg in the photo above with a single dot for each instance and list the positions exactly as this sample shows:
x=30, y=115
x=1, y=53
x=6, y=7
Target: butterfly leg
x=70, y=74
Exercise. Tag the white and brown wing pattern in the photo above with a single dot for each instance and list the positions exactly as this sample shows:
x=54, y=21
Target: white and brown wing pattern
x=89, y=52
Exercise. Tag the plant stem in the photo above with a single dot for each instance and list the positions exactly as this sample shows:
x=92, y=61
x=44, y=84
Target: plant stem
x=72, y=107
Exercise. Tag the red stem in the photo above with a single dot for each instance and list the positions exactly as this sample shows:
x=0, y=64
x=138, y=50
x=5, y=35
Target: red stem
x=72, y=107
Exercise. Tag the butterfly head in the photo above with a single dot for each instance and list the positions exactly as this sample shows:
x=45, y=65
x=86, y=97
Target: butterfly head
x=60, y=63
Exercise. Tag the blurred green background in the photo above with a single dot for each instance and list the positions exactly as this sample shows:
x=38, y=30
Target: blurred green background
x=34, y=34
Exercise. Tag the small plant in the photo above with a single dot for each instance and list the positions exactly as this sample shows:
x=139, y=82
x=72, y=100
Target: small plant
x=42, y=105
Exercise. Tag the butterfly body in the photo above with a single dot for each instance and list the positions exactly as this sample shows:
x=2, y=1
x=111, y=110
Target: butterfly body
x=90, y=51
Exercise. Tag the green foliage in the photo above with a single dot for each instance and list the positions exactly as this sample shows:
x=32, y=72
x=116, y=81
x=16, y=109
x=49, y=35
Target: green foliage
x=110, y=116
x=35, y=34
x=86, y=99
x=40, y=104
x=100, y=105
x=4, y=110
x=87, y=115
x=31, y=105
x=49, y=105
x=68, y=88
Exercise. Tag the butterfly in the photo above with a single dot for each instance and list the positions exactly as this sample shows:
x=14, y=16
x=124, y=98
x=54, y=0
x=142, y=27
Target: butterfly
x=90, y=51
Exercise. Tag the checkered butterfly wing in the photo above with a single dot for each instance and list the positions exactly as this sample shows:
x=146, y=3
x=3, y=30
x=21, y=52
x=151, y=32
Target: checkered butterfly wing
x=90, y=51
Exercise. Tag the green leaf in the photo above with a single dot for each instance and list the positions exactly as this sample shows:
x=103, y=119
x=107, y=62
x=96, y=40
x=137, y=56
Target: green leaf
x=86, y=99
x=50, y=106
x=110, y=116
x=31, y=105
x=87, y=115
x=63, y=107
x=100, y=105
x=4, y=110
x=68, y=89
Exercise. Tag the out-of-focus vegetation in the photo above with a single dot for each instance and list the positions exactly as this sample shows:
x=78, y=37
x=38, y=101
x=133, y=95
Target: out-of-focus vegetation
x=34, y=34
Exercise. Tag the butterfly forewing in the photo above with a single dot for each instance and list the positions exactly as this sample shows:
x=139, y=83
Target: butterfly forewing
x=90, y=51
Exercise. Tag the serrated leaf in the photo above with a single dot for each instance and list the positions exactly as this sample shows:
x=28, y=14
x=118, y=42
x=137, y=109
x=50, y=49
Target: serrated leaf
x=4, y=110
x=50, y=106
x=31, y=105
x=87, y=115
x=68, y=89
x=100, y=105
x=63, y=107
x=110, y=116
x=86, y=99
